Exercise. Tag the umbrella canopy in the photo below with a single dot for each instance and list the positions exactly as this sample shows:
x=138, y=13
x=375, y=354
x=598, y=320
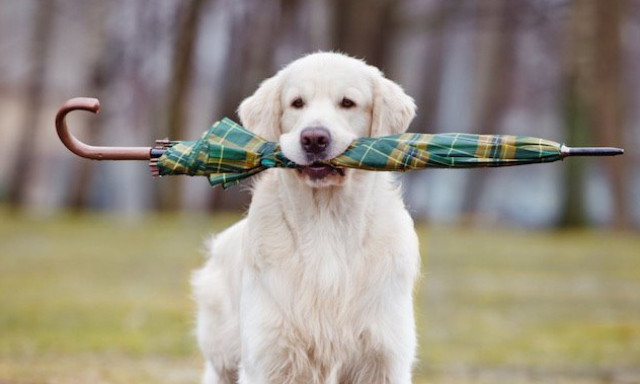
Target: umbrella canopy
x=228, y=153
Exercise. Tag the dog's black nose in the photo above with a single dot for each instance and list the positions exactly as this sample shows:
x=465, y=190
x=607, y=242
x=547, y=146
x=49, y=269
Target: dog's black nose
x=315, y=140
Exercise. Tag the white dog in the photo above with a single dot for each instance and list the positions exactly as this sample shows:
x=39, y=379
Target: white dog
x=315, y=284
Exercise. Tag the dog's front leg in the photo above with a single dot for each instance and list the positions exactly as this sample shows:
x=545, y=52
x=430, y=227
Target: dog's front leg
x=388, y=343
x=260, y=323
x=388, y=350
x=273, y=348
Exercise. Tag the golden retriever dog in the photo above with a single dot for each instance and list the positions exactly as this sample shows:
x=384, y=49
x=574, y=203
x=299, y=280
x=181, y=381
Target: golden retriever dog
x=315, y=284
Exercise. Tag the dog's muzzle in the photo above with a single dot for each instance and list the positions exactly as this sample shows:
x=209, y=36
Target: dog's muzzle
x=315, y=141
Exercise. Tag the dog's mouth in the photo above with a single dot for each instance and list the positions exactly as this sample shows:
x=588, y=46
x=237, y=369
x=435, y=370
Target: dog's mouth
x=318, y=170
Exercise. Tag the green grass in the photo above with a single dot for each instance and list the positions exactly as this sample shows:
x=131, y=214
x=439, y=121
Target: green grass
x=102, y=299
x=530, y=306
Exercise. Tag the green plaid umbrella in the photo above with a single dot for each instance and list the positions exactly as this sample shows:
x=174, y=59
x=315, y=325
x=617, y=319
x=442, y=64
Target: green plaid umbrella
x=228, y=153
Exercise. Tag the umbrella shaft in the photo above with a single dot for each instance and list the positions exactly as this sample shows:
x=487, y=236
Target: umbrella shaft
x=156, y=152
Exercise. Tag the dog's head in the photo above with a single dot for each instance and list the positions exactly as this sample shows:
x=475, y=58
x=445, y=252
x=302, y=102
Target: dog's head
x=317, y=105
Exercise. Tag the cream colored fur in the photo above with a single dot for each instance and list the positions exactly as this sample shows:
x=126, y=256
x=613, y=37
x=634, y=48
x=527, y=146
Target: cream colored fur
x=315, y=284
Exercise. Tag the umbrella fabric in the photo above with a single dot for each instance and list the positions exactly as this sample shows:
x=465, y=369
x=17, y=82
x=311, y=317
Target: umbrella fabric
x=228, y=153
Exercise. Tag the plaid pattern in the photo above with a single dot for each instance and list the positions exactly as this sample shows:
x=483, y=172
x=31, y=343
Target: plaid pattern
x=412, y=151
x=227, y=153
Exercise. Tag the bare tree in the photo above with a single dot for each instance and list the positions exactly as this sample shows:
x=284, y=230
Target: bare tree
x=496, y=65
x=576, y=75
x=593, y=101
x=608, y=99
x=431, y=80
x=254, y=26
x=34, y=99
x=365, y=28
x=188, y=21
x=102, y=69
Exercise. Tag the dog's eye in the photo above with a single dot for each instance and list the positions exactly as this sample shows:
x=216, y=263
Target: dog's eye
x=297, y=103
x=347, y=103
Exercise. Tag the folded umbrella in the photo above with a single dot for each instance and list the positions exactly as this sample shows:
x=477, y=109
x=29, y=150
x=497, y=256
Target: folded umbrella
x=228, y=153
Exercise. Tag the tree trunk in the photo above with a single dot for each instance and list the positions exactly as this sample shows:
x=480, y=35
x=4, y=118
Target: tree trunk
x=608, y=101
x=575, y=108
x=40, y=43
x=188, y=20
x=248, y=61
x=102, y=69
x=365, y=28
x=594, y=102
x=575, y=120
x=431, y=80
x=495, y=82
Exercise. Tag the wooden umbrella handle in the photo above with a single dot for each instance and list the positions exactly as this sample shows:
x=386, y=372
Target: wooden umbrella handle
x=92, y=152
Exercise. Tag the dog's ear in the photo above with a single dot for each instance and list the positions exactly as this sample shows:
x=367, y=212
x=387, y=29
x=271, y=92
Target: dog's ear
x=393, y=109
x=260, y=112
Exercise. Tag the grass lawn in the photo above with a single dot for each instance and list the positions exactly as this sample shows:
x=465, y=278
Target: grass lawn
x=102, y=299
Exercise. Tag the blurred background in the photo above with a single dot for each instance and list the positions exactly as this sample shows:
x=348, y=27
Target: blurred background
x=558, y=69
x=532, y=273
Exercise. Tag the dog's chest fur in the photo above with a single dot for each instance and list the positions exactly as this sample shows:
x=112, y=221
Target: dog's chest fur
x=323, y=239
x=312, y=258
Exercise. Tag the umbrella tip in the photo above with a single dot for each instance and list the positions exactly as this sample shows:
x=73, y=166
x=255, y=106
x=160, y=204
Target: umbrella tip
x=591, y=151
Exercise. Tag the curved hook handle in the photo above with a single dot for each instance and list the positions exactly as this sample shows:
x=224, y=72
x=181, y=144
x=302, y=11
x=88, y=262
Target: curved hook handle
x=88, y=151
